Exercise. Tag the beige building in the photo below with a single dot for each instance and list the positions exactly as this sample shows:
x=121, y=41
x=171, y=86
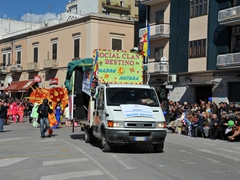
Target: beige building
x=45, y=53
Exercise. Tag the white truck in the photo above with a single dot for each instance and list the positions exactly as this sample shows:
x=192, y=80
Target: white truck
x=121, y=110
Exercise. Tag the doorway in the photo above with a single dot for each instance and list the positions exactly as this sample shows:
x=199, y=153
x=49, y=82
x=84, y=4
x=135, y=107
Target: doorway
x=203, y=93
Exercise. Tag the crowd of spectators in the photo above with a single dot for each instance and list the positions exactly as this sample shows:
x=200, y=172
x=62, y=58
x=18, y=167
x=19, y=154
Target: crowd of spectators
x=206, y=119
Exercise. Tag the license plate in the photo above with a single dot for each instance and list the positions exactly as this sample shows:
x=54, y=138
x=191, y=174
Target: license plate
x=140, y=138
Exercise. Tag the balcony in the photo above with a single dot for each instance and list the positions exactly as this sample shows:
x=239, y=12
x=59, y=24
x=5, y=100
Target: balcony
x=3, y=70
x=158, y=67
x=152, y=2
x=116, y=5
x=230, y=16
x=228, y=61
x=159, y=31
x=16, y=67
x=33, y=66
x=50, y=64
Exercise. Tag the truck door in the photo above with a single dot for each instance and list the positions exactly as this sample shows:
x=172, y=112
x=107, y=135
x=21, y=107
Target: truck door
x=100, y=112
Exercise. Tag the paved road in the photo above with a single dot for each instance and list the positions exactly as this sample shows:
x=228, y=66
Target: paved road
x=24, y=155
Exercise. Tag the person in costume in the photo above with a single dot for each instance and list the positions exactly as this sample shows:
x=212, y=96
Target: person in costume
x=21, y=112
x=58, y=113
x=34, y=115
x=14, y=111
x=52, y=119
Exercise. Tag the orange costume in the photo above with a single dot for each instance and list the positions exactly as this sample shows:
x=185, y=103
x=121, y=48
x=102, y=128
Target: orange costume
x=21, y=112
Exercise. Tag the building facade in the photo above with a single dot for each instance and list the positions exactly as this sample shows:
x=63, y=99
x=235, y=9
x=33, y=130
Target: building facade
x=203, y=54
x=44, y=53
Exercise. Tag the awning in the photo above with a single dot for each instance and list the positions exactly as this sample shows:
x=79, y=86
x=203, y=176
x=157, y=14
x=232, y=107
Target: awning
x=19, y=86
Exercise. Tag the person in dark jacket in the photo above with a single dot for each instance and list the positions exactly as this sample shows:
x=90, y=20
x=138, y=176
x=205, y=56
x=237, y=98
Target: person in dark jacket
x=3, y=114
x=43, y=111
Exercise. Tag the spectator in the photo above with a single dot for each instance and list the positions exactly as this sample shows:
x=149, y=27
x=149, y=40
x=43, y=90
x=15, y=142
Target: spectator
x=3, y=114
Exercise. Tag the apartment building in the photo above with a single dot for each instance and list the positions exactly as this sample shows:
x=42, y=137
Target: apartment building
x=40, y=57
x=203, y=49
x=157, y=14
x=124, y=8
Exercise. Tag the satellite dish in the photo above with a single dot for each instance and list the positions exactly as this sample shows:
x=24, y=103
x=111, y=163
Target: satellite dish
x=164, y=59
x=9, y=79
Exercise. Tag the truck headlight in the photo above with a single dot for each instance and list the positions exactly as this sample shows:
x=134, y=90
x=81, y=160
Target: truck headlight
x=160, y=124
x=117, y=124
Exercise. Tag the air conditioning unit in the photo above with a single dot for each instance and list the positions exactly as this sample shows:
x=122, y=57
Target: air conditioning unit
x=19, y=66
x=172, y=78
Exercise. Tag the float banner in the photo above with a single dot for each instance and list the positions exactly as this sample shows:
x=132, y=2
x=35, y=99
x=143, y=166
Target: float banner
x=86, y=83
x=137, y=111
x=119, y=67
x=71, y=104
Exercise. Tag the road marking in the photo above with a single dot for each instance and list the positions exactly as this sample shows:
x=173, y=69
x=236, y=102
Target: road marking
x=13, y=139
x=72, y=175
x=10, y=161
x=185, y=151
x=227, y=150
x=187, y=162
x=161, y=165
x=122, y=163
x=64, y=161
x=217, y=154
x=213, y=160
x=45, y=140
x=92, y=159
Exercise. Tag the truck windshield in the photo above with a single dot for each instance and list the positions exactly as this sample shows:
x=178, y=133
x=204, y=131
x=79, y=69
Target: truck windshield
x=117, y=96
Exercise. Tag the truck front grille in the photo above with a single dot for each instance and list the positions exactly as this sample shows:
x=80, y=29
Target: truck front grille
x=139, y=124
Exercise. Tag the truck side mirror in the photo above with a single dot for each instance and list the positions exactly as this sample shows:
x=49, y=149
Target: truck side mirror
x=100, y=104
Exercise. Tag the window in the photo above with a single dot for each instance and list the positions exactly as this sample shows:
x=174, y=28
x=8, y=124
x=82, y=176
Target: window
x=19, y=57
x=9, y=59
x=236, y=2
x=4, y=60
x=35, y=54
x=159, y=17
x=197, y=48
x=116, y=44
x=198, y=8
x=158, y=53
x=54, y=51
x=76, y=48
x=136, y=3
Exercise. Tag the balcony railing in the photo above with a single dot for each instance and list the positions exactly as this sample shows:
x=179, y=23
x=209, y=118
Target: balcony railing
x=228, y=60
x=3, y=69
x=157, y=30
x=16, y=67
x=161, y=67
x=152, y=2
x=116, y=4
x=229, y=16
x=33, y=66
x=51, y=64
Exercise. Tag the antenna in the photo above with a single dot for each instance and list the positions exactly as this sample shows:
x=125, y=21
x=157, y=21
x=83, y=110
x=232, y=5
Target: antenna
x=49, y=8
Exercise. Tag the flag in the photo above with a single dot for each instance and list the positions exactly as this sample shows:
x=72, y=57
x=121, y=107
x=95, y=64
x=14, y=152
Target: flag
x=144, y=45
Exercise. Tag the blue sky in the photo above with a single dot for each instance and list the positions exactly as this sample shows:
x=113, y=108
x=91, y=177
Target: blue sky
x=16, y=9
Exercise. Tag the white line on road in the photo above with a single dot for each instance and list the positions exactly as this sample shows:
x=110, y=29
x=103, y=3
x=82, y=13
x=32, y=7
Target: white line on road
x=10, y=161
x=122, y=163
x=64, y=161
x=72, y=175
x=218, y=154
x=13, y=139
x=161, y=165
x=187, y=162
x=185, y=151
x=227, y=150
x=92, y=159
x=213, y=160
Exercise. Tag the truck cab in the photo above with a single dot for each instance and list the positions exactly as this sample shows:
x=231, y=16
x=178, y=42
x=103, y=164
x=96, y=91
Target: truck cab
x=128, y=114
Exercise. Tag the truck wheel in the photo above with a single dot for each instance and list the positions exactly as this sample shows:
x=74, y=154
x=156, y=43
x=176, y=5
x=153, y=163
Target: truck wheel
x=94, y=139
x=158, y=147
x=88, y=135
x=105, y=145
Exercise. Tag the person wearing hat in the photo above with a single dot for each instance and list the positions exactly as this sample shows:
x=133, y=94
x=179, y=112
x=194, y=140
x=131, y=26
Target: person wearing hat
x=3, y=114
x=43, y=111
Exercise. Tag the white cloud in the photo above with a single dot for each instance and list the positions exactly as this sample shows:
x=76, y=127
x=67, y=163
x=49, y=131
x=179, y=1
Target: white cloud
x=38, y=18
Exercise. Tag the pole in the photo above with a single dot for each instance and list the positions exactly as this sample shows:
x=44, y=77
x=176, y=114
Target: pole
x=146, y=58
